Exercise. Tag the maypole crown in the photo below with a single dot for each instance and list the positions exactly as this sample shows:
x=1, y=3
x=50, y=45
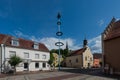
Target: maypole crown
x=58, y=16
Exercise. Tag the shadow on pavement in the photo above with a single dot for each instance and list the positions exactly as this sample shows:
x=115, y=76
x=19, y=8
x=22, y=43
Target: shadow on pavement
x=93, y=71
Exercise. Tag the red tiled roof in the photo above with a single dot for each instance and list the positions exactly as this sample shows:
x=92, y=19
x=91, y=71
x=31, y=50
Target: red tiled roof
x=2, y=37
x=26, y=44
x=114, y=31
x=77, y=52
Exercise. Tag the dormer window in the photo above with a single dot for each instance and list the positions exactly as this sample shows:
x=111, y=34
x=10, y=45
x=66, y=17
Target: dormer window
x=36, y=45
x=15, y=42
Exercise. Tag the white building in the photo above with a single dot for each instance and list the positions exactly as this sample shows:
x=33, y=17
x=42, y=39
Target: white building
x=35, y=55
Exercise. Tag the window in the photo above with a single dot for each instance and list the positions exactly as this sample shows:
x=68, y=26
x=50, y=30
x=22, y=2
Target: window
x=56, y=58
x=70, y=61
x=90, y=59
x=15, y=42
x=36, y=45
x=36, y=56
x=36, y=65
x=26, y=65
x=76, y=60
x=26, y=55
x=44, y=56
x=86, y=58
x=44, y=65
x=12, y=53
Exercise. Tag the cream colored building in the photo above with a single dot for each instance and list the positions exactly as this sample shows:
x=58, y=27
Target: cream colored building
x=81, y=58
x=56, y=59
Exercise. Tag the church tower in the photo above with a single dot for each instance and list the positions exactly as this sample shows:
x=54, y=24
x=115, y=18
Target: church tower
x=85, y=42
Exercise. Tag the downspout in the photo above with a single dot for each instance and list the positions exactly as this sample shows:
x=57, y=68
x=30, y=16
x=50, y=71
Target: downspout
x=3, y=57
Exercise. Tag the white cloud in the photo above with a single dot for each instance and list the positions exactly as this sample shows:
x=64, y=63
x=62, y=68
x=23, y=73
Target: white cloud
x=20, y=34
x=50, y=41
x=101, y=22
x=95, y=44
x=117, y=19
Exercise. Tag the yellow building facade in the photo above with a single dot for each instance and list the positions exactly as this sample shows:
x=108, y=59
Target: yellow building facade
x=56, y=59
x=81, y=58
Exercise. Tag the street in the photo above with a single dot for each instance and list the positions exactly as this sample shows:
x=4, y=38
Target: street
x=64, y=74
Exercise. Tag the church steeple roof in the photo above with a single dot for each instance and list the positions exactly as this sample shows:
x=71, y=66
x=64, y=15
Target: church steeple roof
x=66, y=45
x=85, y=42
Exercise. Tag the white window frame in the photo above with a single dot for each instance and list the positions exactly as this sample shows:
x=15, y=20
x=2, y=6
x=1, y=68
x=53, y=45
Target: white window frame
x=26, y=55
x=37, y=56
x=44, y=56
x=15, y=42
x=44, y=65
x=36, y=45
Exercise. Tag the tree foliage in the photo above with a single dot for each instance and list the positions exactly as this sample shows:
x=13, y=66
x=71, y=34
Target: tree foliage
x=63, y=52
x=51, y=59
x=14, y=61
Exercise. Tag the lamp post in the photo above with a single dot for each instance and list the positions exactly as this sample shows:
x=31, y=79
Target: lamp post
x=59, y=34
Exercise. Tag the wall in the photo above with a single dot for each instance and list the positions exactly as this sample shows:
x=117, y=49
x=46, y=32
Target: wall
x=73, y=62
x=96, y=63
x=89, y=55
x=20, y=53
x=112, y=53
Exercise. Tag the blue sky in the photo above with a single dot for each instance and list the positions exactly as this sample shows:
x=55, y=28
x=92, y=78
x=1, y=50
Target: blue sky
x=36, y=20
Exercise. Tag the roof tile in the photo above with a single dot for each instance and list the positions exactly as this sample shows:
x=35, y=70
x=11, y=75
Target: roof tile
x=26, y=44
x=114, y=31
x=77, y=52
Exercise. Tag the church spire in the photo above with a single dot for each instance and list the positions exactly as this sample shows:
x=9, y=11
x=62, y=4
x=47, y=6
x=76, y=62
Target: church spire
x=66, y=45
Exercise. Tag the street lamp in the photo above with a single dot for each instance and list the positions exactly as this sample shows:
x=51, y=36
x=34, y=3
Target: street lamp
x=59, y=34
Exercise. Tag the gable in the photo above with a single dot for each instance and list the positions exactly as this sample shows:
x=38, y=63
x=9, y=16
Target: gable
x=112, y=31
x=88, y=53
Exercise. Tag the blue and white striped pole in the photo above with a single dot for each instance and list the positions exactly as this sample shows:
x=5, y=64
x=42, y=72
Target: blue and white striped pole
x=59, y=34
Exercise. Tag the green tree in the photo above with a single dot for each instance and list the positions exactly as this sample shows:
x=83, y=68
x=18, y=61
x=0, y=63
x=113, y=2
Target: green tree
x=50, y=62
x=14, y=61
x=53, y=51
x=66, y=52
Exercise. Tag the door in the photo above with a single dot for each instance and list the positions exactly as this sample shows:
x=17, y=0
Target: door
x=26, y=67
